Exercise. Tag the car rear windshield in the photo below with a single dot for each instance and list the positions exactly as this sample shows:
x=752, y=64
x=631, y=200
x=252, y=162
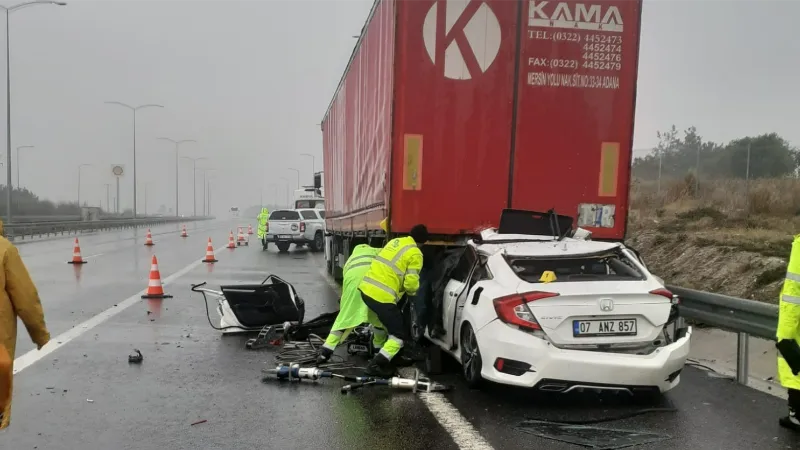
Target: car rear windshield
x=611, y=266
x=284, y=215
x=309, y=215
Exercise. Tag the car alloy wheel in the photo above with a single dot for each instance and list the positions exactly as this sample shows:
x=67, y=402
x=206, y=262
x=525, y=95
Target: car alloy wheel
x=471, y=361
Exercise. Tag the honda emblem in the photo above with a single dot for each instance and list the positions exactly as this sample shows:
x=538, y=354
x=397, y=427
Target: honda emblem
x=606, y=304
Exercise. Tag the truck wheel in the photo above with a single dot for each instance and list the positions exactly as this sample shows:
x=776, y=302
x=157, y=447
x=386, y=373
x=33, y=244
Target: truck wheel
x=319, y=242
x=283, y=246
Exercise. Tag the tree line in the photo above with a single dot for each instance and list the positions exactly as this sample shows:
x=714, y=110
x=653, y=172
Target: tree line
x=26, y=203
x=764, y=156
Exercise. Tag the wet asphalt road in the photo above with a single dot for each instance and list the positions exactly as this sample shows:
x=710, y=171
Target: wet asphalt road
x=85, y=394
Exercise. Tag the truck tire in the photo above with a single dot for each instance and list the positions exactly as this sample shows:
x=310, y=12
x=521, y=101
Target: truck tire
x=319, y=242
x=283, y=246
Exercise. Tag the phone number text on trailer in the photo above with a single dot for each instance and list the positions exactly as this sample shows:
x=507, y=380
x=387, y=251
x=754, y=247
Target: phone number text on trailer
x=571, y=36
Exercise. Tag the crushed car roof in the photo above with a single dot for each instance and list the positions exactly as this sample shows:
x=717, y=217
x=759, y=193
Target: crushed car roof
x=535, y=245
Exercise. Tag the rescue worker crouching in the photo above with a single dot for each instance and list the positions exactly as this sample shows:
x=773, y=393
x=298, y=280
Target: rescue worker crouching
x=788, y=337
x=393, y=273
x=352, y=310
x=263, y=217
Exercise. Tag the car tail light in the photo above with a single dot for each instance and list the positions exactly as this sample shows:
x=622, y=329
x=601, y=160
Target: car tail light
x=266, y=226
x=302, y=227
x=665, y=293
x=512, y=309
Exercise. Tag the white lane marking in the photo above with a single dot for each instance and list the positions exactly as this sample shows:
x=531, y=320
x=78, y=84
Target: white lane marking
x=26, y=360
x=93, y=256
x=457, y=426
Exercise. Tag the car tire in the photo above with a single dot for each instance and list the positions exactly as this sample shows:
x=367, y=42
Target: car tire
x=283, y=246
x=319, y=242
x=471, y=361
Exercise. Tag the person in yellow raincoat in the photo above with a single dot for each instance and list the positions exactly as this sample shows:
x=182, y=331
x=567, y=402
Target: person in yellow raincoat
x=263, y=216
x=788, y=332
x=352, y=310
x=18, y=298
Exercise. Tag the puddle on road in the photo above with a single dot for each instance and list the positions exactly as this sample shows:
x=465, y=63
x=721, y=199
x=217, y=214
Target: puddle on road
x=589, y=436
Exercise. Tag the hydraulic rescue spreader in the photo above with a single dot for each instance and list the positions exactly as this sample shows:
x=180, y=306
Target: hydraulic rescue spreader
x=295, y=372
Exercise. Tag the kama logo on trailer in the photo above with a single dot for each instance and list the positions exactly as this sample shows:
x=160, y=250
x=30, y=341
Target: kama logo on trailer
x=574, y=15
x=462, y=37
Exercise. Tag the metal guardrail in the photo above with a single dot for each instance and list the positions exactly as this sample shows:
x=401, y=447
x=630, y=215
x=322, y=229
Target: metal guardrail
x=19, y=231
x=744, y=317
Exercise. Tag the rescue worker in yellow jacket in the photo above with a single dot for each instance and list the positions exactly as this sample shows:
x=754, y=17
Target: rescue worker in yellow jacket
x=393, y=273
x=789, y=331
x=352, y=310
x=18, y=298
x=261, y=232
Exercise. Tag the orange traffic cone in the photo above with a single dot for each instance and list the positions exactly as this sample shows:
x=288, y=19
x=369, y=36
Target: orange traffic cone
x=249, y=229
x=154, y=286
x=209, y=253
x=183, y=231
x=231, y=244
x=76, y=254
x=239, y=237
x=148, y=240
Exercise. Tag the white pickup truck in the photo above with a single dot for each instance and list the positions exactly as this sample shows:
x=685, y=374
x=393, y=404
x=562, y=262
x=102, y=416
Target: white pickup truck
x=296, y=226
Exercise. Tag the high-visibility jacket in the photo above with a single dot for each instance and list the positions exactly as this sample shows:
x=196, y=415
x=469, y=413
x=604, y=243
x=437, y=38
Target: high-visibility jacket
x=394, y=271
x=352, y=310
x=263, y=216
x=789, y=314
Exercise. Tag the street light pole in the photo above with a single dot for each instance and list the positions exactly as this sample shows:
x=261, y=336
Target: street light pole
x=80, y=166
x=8, y=10
x=298, y=176
x=177, y=144
x=313, y=164
x=108, y=203
x=288, y=204
x=134, y=109
x=18, y=148
x=194, y=182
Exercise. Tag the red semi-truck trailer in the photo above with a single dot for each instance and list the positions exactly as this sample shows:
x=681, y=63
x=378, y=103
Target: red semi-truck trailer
x=450, y=111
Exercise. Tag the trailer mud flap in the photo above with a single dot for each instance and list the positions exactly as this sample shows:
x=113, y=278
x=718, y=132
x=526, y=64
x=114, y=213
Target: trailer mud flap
x=589, y=436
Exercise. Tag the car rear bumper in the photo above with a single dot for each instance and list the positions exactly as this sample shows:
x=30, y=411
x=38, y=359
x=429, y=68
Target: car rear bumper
x=559, y=370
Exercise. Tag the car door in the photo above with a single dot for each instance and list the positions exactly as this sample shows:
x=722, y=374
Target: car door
x=456, y=291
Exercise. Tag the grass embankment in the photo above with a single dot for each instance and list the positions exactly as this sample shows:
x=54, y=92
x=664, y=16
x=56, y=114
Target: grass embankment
x=727, y=236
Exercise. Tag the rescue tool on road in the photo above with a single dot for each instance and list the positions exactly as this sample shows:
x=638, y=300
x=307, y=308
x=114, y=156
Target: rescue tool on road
x=294, y=372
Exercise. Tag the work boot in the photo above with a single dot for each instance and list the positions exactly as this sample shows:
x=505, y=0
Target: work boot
x=380, y=367
x=324, y=355
x=790, y=421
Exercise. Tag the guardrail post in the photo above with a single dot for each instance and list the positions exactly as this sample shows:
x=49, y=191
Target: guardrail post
x=742, y=358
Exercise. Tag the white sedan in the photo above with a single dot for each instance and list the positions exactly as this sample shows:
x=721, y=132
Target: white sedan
x=559, y=316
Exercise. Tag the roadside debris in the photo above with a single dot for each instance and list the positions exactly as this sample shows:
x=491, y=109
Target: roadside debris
x=135, y=358
x=199, y=422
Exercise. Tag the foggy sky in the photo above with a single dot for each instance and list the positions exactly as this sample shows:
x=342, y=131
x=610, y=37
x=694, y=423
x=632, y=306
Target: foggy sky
x=250, y=81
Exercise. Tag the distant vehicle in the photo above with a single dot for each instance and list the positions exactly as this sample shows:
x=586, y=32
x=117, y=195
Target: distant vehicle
x=296, y=226
x=235, y=211
x=557, y=314
x=310, y=196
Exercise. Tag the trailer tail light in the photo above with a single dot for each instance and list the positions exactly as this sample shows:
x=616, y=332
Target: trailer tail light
x=666, y=293
x=302, y=227
x=513, y=310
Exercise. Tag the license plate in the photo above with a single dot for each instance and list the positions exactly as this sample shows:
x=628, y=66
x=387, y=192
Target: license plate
x=284, y=236
x=616, y=327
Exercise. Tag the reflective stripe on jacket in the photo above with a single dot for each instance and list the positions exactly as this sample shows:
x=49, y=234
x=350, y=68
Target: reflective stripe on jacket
x=394, y=271
x=352, y=310
x=789, y=314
